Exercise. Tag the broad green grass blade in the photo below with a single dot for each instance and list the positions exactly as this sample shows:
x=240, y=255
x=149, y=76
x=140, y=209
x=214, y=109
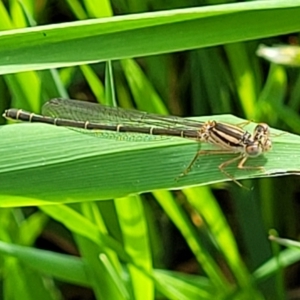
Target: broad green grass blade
x=189, y=232
x=145, y=34
x=99, y=9
x=73, y=270
x=25, y=88
x=29, y=88
x=136, y=242
x=58, y=265
x=94, y=82
x=189, y=287
x=32, y=227
x=286, y=258
x=23, y=283
x=142, y=89
x=77, y=9
x=243, y=76
x=42, y=164
x=205, y=67
x=99, y=269
x=81, y=226
x=17, y=14
x=6, y=22
x=110, y=94
x=270, y=104
x=91, y=211
x=205, y=203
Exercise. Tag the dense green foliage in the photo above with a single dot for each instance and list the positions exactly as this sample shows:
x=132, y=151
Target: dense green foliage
x=146, y=238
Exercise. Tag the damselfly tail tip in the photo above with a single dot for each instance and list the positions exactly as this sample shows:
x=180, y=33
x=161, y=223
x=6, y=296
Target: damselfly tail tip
x=4, y=115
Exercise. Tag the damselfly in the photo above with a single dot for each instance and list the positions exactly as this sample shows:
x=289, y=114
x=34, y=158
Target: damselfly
x=91, y=116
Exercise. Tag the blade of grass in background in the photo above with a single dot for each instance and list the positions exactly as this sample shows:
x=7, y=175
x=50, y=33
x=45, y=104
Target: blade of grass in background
x=133, y=36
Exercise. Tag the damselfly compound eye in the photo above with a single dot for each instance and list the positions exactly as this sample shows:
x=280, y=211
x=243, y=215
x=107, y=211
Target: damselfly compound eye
x=254, y=150
x=263, y=126
x=260, y=131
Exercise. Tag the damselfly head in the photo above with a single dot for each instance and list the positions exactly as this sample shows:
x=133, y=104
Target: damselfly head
x=262, y=136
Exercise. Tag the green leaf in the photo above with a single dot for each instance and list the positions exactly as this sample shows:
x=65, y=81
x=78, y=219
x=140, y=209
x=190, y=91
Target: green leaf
x=136, y=244
x=74, y=270
x=58, y=265
x=42, y=164
x=53, y=46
